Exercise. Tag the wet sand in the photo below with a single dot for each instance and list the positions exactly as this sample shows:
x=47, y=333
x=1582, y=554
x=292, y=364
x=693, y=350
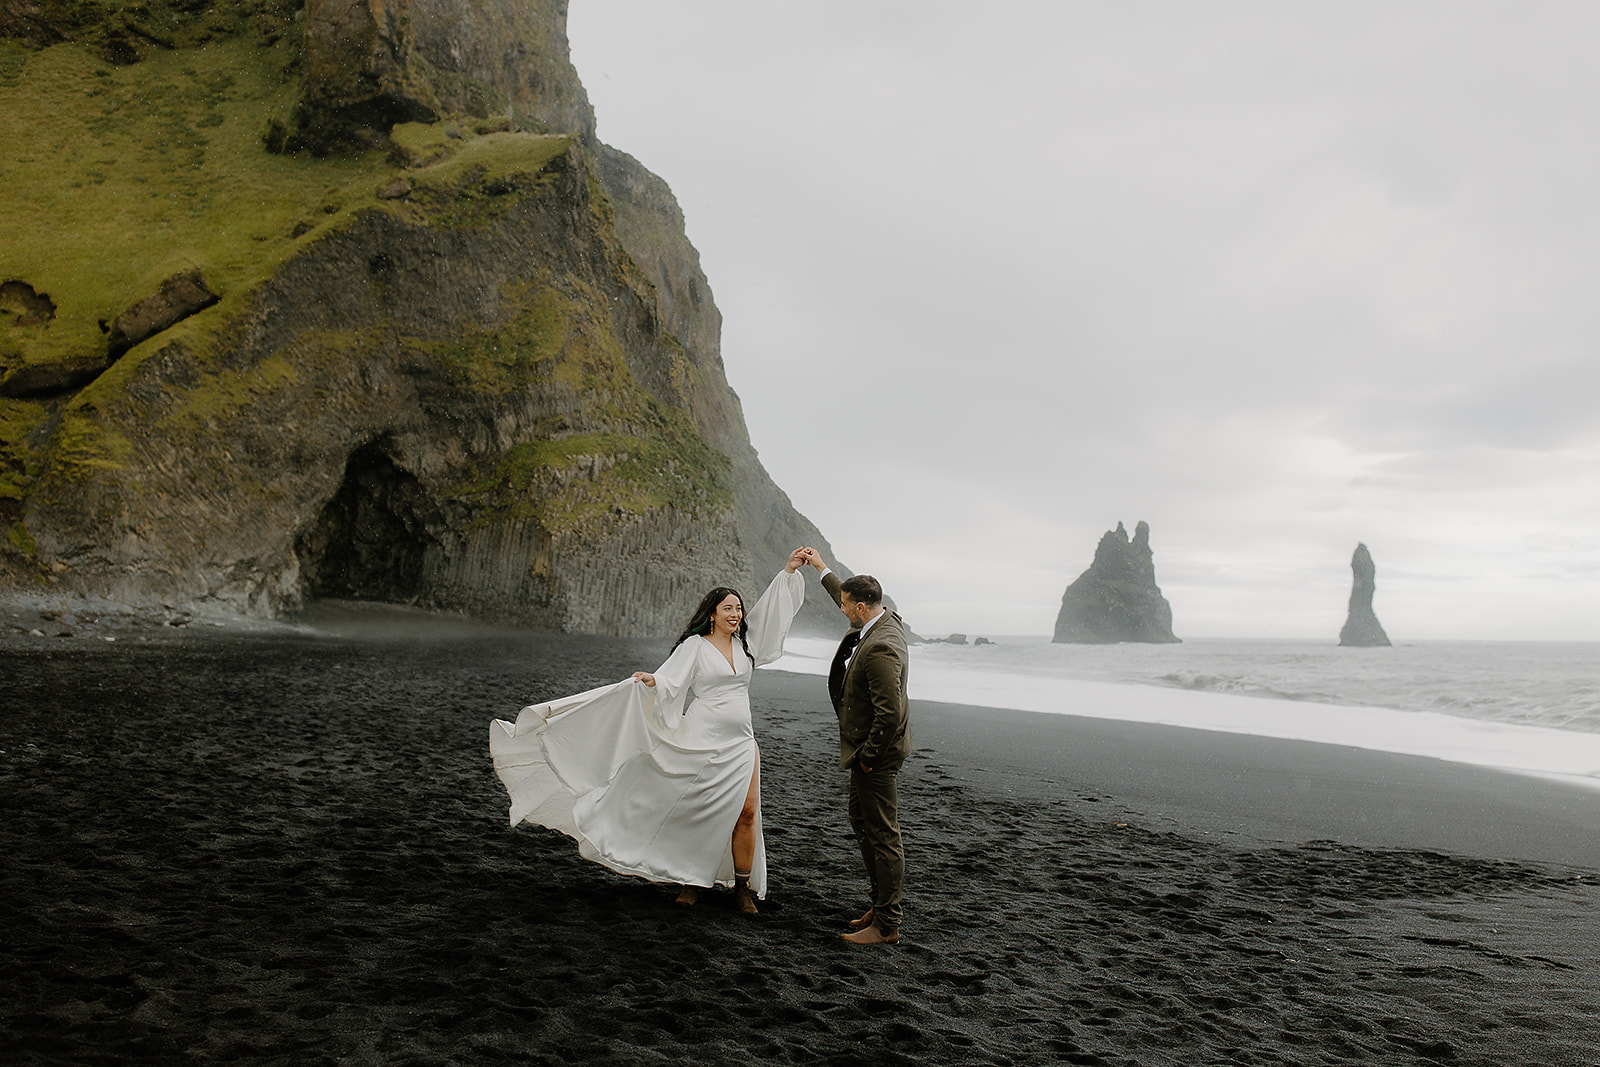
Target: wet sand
x=291, y=850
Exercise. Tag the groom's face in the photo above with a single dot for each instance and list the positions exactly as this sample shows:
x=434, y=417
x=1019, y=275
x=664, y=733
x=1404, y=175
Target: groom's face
x=853, y=610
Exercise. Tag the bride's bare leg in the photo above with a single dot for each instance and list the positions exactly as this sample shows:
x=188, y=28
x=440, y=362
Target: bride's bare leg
x=744, y=831
x=744, y=843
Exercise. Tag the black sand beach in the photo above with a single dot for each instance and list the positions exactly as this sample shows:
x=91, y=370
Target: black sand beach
x=280, y=849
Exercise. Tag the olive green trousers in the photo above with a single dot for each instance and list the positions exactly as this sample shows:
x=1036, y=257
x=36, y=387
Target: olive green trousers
x=875, y=818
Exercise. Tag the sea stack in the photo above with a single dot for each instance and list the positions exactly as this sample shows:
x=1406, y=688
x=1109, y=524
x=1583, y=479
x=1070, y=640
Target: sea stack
x=1117, y=599
x=1362, y=629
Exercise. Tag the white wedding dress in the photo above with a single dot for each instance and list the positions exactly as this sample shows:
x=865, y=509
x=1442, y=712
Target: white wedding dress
x=646, y=785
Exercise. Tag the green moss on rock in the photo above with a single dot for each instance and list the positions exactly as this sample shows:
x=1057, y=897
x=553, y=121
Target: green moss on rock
x=474, y=181
x=18, y=464
x=526, y=350
x=600, y=203
x=84, y=445
x=650, y=456
x=584, y=481
x=228, y=392
x=20, y=540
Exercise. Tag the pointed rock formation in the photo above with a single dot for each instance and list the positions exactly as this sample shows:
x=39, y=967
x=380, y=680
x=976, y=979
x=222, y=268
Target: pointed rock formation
x=1362, y=629
x=1117, y=599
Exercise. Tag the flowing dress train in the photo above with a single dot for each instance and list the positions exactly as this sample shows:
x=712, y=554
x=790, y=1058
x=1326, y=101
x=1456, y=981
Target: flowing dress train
x=650, y=782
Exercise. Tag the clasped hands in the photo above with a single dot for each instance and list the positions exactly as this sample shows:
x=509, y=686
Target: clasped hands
x=802, y=556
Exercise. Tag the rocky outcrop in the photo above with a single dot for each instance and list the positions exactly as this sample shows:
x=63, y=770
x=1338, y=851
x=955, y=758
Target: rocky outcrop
x=1361, y=627
x=484, y=376
x=369, y=65
x=1117, y=599
x=53, y=378
x=180, y=296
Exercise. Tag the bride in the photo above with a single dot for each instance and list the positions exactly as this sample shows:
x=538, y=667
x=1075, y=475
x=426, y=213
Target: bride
x=659, y=776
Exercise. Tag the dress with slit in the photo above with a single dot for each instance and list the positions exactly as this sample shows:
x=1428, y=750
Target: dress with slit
x=650, y=781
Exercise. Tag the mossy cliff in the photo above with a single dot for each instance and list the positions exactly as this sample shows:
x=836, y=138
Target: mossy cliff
x=348, y=300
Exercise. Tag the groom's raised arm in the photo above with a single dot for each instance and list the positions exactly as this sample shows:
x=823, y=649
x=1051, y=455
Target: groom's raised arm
x=830, y=580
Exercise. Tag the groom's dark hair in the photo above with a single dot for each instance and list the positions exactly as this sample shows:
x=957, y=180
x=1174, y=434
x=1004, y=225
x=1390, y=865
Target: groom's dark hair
x=863, y=589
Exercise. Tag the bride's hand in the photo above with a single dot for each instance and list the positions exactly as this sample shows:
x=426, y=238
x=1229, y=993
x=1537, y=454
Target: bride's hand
x=797, y=559
x=646, y=677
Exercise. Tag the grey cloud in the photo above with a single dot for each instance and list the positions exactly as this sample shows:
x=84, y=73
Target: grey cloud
x=1273, y=277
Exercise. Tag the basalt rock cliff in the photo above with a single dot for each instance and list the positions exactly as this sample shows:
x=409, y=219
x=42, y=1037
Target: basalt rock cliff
x=1117, y=599
x=347, y=299
x=1361, y=627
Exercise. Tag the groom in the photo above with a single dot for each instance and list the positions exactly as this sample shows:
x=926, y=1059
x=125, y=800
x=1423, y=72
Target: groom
x=868, y=688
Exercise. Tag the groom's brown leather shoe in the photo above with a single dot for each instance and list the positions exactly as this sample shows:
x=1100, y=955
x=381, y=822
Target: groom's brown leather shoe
x=871, y=935
x=865, y=920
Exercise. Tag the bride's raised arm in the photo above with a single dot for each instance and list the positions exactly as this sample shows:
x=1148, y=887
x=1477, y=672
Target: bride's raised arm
x=776, y=608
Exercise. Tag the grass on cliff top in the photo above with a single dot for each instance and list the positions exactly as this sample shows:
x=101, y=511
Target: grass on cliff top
x=123, y=176
x=462, y=180
x=120, y=176
x=121, y=31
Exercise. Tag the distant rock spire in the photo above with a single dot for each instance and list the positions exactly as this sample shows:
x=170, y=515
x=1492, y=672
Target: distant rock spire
x=1117, y=598
x=1362, y=629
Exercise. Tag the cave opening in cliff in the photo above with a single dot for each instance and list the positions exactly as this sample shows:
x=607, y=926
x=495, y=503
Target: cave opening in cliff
x=370, y=541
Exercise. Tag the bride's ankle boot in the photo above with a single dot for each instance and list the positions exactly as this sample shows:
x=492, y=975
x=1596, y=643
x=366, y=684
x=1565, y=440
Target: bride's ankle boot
x=743, y=899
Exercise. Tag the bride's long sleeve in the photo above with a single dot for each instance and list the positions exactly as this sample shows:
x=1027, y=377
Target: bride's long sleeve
x=772, y=614
x=673, y=681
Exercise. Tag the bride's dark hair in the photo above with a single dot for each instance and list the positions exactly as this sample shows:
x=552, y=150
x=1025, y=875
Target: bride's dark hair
x=700, y=621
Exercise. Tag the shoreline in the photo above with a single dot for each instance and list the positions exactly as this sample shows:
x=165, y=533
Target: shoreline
x=1253, y=789
x=1548, y=752
x=26, y=618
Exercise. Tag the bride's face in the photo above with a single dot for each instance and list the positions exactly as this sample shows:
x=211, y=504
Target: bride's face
x=726, y=618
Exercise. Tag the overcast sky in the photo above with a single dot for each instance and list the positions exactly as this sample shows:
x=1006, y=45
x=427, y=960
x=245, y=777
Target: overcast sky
x=1274, y=278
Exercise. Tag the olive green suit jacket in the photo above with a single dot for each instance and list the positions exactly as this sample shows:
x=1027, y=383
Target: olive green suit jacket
x=870, y=701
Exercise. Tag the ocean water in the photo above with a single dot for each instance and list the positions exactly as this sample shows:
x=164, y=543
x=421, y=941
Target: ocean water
x=1532, y=707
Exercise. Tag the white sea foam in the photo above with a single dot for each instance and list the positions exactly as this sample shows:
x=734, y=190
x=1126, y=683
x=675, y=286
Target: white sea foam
x=1033, y=676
